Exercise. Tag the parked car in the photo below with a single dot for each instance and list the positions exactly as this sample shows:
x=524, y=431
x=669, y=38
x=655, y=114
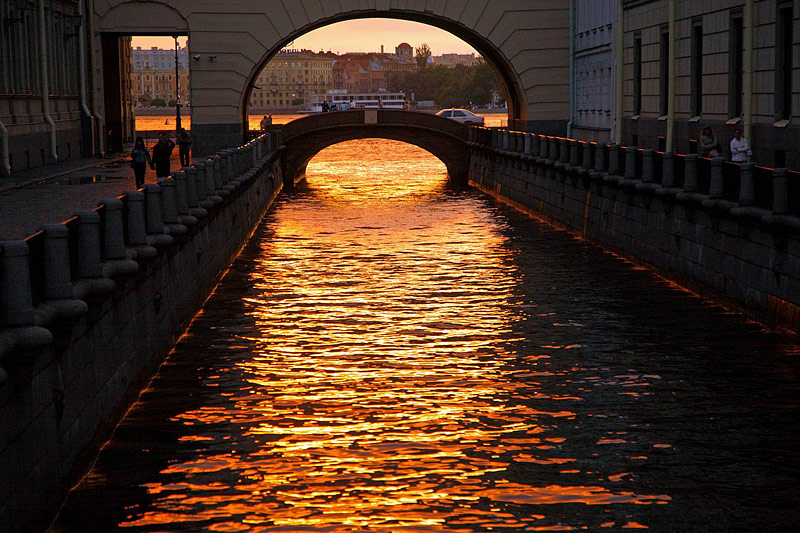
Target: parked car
x=462, y=115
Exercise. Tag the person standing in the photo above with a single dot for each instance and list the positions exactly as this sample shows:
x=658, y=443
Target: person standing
x=740, y=150
x=184, y=142
x=140, y=158
x=708, y=146
x=162, y=151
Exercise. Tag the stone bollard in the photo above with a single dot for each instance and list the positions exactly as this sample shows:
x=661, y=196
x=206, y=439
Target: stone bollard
x=667, y=171
x=169, y=202
x=535, y=145
x=219, y=176
x=224, y=170
x=648, y=170
x=181, y=193
x=544, y=147
x=630, y=163
x=16, y=300
x=113, y=229
x=59, y=293
x=57, y=278
x=747, y=191
x=780, y=195
x=563, y=151
x=574, y=153
x=191, y=187
x=154, y=222
x=588, y=150
x=137, y=229
x=716, y=187
x=613, y=160
x=600, y=165
x=90, y=262
x=690, y=173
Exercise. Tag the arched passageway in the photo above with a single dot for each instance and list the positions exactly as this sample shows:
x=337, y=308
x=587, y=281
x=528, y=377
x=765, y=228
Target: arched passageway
x=527, y=43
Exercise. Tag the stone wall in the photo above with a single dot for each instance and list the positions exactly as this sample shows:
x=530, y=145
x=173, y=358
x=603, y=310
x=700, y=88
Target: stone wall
x=89, y=308
x=728, y=231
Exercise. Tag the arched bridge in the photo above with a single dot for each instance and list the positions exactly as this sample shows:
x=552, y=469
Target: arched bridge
x=446, y=139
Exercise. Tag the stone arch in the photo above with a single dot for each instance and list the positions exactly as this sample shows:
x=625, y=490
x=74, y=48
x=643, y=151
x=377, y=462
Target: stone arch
x=144, y=18
x=494, y=56
x=527, y=42
x=306, y=137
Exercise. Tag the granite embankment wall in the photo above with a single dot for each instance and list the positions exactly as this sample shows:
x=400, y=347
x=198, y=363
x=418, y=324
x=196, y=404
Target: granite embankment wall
x=729, y=231
x=90, y=307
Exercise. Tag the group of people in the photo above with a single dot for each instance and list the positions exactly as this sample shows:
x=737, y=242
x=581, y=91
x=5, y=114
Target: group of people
x=162, y=154
x=708, y=146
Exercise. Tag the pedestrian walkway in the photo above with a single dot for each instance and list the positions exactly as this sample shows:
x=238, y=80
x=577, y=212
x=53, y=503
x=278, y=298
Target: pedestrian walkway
x=54, y=193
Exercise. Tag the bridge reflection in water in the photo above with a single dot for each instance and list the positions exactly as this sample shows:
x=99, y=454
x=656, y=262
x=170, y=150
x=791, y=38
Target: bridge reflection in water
x=390, y=353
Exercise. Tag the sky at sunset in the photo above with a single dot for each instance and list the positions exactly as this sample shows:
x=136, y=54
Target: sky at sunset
x=361, y=35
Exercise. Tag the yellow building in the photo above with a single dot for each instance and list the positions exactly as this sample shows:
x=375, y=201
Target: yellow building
x=290, y=78
x=154, y=76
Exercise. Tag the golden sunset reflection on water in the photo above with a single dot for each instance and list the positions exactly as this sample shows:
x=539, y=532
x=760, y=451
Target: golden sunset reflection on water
x=391, y=352
x=376, y=397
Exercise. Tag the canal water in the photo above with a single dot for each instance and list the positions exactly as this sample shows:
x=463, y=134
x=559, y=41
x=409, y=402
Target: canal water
x=393, y=353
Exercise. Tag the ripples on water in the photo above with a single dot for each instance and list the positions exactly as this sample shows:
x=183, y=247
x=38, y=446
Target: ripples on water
x=390, y=353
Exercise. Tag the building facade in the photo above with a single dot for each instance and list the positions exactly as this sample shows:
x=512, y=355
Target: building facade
x=290, y=78
x=451, y=60
x=736, y=66
x=154, y=76
x=44, y=104
x=593, y=102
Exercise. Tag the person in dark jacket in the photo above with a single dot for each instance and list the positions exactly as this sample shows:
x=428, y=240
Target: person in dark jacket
x=140, y=158
x=162, y=152
x=184, y=142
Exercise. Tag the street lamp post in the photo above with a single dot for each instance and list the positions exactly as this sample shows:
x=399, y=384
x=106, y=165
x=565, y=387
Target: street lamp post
x=177, y=89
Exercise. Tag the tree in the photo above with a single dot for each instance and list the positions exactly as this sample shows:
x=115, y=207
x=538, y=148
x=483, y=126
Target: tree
x=423, y=53
x=158, y=102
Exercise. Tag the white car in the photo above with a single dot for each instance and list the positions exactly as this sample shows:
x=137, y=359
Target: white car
x=462, y=115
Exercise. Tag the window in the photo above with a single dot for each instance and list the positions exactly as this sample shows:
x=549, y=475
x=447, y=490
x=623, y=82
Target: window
x=783, y=61
x=696, y=81
x=735, y=65
x=637, y=74
x=663, y=73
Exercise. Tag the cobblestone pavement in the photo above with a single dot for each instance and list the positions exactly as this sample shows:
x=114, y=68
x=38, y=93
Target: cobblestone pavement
x=51, y=194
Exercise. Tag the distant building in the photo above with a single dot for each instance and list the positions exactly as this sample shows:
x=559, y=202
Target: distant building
x=404, y=51
x=153, y=75
x=358, y=75
x=451, y=60
x=290, y=78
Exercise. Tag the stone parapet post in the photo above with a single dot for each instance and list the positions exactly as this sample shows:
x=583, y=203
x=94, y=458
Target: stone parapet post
x=113, y=229
x=780, y=195
x=16, y=303
x=716, y=184
x=747, y=191
x=57, y=277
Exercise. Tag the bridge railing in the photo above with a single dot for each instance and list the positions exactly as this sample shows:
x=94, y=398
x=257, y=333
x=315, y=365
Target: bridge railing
x=54, y=273
x=353, y=117
x=767, y=195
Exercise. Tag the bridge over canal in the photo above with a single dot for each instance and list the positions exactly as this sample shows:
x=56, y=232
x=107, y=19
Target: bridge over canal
x=444, y=138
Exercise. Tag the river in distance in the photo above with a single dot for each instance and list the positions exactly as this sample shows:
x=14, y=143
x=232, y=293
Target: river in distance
x=391, y=352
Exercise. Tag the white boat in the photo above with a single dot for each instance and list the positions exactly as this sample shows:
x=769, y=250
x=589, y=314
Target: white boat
x=339, y=100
